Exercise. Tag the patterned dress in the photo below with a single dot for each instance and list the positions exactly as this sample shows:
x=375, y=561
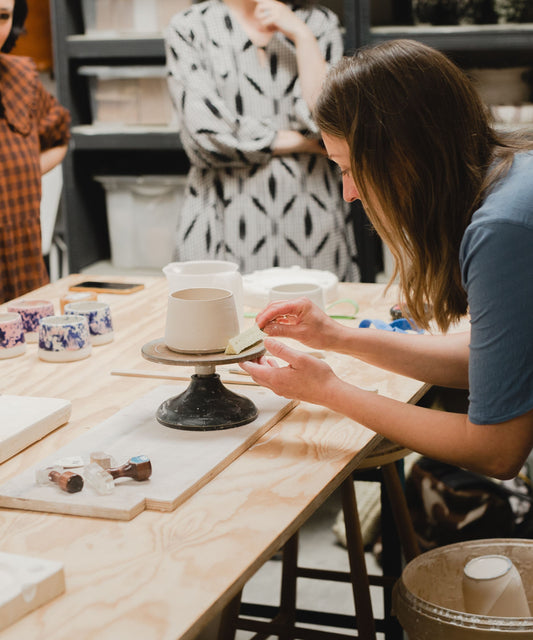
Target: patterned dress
x=31, y=121
x=242, y=203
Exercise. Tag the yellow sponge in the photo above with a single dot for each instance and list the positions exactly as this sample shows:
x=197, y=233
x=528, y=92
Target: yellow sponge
x=244, y=340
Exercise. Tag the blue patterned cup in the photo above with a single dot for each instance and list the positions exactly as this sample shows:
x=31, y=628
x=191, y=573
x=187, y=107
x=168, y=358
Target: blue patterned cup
x=31, y=312
x=98, y=316
x=64, y=338
x=12, y=340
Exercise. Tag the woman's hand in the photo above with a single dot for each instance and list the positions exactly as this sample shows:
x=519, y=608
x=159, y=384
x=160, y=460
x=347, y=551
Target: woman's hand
x=301, y=320
x=287, y=142
x=277, y=16
x=304, y=378
x=52, y=157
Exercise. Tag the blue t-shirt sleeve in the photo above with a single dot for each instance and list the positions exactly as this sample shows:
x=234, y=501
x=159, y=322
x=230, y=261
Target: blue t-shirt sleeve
x=497, y=267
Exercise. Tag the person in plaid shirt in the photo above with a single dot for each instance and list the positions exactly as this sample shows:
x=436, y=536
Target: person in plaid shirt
x=34, y=134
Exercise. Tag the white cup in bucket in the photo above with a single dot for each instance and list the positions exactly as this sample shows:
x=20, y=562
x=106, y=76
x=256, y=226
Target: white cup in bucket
x=219, y=274
x=492, y=586
x=200, y=320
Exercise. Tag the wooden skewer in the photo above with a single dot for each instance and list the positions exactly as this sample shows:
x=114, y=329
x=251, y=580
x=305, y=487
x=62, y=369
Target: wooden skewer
x=140, y=373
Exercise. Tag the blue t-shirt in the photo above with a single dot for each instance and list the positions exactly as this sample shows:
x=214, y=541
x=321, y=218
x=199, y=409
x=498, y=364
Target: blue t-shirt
x=496, y=258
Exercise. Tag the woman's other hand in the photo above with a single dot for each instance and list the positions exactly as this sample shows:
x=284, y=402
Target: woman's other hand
x=303, y=378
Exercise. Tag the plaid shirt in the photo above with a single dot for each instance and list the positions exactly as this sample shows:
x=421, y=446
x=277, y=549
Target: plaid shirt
x=31, y=121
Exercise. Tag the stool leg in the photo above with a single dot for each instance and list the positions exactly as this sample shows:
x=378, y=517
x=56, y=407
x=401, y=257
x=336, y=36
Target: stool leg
x=287, y=609
x=356, y=555
x=391, y=561
x=395, y=517
x=400, y=511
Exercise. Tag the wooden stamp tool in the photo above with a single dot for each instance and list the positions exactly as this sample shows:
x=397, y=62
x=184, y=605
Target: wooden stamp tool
x=66, y=480
x=139, y=468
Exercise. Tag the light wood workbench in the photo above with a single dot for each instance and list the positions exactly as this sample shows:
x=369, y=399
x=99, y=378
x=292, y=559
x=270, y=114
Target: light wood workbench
x=163, y=576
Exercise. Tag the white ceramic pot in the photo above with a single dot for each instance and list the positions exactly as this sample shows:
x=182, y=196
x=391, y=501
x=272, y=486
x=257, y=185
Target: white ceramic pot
x=206, y=273
x=200, y=320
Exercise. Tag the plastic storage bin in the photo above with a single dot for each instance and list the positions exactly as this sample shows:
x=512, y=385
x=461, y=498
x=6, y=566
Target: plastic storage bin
x=142, y=214
x=129, y=95
x=111, y=17
x=428, y=598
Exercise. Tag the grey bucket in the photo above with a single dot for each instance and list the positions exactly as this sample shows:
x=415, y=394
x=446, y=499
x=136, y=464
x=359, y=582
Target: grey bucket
x=428, y=598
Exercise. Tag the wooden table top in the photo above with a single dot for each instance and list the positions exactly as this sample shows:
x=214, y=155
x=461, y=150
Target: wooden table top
x=165, y=575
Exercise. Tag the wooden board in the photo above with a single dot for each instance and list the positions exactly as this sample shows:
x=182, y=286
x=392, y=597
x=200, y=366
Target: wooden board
x=24, y=420
x=182, y=461
x=25, y=584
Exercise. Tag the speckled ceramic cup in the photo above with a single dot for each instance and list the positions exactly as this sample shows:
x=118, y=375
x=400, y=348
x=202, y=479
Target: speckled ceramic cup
x=12, y=339
x=64, y=338
x=98, y=316
x=31, y=312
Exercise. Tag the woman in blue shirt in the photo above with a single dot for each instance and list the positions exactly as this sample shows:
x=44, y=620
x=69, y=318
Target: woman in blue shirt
x=453, y=200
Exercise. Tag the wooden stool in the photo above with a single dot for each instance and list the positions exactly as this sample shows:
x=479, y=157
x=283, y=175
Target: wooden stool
x=387, y=459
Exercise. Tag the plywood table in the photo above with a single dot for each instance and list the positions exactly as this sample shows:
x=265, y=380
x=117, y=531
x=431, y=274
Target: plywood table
x=164, y=575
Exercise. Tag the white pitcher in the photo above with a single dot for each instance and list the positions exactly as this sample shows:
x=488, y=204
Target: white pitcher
x=207, y=273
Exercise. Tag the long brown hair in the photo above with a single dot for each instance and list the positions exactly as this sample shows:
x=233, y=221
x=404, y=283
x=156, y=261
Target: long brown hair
x=423, y=154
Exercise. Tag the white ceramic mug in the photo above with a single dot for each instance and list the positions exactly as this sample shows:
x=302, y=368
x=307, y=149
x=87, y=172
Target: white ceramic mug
x=12, y=339
x=200, y=320
x=492, y=586
x=31, y=312
x=219, y=274
x=98, y=316
x=64, y=338
x=288, y=291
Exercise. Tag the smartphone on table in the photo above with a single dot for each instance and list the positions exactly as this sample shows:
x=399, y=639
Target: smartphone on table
x=106, y=286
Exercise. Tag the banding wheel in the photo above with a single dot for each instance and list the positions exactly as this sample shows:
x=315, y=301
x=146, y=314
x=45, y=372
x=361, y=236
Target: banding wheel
x=206, y=404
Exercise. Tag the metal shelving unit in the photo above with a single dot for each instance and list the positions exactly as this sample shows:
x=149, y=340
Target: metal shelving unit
x=97, y=150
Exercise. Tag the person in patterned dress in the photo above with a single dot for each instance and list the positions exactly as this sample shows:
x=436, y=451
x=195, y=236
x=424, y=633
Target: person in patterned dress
x=34, y=134
x=243, y=76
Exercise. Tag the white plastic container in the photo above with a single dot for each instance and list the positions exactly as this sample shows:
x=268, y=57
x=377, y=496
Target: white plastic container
x=112, y=17
x=136, y=95
x=142, y=215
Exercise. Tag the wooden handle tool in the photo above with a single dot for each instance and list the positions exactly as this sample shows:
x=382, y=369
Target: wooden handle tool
x=68, y=480
x=138, y=468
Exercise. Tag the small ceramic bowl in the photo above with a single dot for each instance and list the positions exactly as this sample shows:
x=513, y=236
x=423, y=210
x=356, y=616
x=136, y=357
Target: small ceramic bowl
x=98, y=316
x=31, y=311
x=64, y=338
x=201, y=320
x=12, y=339
x=292, y=290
